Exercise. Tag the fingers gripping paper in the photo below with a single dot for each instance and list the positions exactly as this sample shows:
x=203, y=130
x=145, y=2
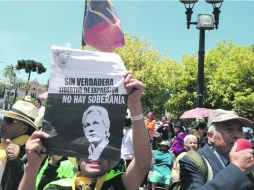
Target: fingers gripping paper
x=86, y=105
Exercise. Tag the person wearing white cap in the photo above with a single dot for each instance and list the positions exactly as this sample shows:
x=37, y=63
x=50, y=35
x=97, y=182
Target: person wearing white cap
x=16, y=128
x=163, y=161
x=227, y=167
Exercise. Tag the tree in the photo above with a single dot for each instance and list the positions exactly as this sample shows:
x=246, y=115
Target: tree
x=229, y=80
x=184, y=93
x=244, y=105
x=10, y=74
x=30, y=66
x=228, y=84
x=155, y=70
x=231, y=75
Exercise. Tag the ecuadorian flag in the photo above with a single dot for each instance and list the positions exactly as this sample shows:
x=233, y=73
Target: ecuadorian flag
x=101, y=27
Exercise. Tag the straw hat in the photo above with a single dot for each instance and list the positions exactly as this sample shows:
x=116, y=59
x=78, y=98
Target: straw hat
x=27, y=98
x=24, y=111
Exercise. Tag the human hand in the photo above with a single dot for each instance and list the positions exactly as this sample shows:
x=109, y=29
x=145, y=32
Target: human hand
x=34, y=148
x=12, y=150
x=134, y=88
x=243, y=159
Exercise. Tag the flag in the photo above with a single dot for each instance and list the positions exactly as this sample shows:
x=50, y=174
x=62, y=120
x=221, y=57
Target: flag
x=101, y=26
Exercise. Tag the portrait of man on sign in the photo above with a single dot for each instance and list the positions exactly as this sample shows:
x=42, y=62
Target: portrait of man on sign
x=96, y=125
x=88, y=89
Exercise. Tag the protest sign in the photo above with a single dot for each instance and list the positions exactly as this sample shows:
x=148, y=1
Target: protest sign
x=86, y=104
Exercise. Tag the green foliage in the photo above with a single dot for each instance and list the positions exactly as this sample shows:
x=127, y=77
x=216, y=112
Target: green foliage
x=155, y=70
x=10, y=74
x=229, y=79
x=30, y=66
x=244, y=104
x=228, y=84
x=231, y=73
x=185, y=84
x=13, y=83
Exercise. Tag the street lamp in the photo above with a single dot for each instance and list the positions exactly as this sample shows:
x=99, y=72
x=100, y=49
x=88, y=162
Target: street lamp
x=216, y=10
x=204, y=22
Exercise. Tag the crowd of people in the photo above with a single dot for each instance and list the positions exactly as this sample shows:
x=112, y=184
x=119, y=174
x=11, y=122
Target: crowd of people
x=17, y=125
x=216, y=163
x=154, y=152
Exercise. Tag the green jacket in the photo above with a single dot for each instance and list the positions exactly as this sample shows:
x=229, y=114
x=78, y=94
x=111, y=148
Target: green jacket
x=59, y=177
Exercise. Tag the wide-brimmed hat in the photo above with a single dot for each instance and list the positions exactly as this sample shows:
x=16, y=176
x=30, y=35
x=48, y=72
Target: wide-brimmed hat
x=27, y=98
x=24, y=111
x=220, y=115
x=164, y=143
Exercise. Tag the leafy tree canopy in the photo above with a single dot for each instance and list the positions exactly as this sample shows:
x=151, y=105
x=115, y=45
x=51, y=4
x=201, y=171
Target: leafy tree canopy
x=229, y=77
x=155, y=70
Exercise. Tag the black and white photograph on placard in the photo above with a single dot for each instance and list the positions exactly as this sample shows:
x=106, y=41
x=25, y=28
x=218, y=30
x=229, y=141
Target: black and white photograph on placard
x=86, y=104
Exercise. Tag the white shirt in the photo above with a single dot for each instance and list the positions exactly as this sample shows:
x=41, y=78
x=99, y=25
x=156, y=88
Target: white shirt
x=127, y=152
x=41, y=112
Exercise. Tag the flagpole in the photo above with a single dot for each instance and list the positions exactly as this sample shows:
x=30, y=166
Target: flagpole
x=83, y=44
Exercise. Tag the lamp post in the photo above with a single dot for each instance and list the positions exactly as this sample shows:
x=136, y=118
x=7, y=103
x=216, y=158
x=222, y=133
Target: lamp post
x=204, y=22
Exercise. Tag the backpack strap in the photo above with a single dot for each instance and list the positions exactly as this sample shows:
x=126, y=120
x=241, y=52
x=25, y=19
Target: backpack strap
x=210, y=170
x=199, y=162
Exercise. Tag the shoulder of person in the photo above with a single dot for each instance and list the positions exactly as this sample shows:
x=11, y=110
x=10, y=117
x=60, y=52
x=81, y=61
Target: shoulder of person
x=194, y=158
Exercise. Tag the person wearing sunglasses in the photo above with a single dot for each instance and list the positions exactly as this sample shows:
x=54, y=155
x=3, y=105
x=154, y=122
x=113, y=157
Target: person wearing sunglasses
x=15, y=128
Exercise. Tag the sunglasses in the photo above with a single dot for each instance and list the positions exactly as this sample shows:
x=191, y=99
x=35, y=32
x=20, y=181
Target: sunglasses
x=8, y=120
x=12, y=121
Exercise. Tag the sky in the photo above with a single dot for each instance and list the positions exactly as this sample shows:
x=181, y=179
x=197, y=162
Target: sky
x=29, y=28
